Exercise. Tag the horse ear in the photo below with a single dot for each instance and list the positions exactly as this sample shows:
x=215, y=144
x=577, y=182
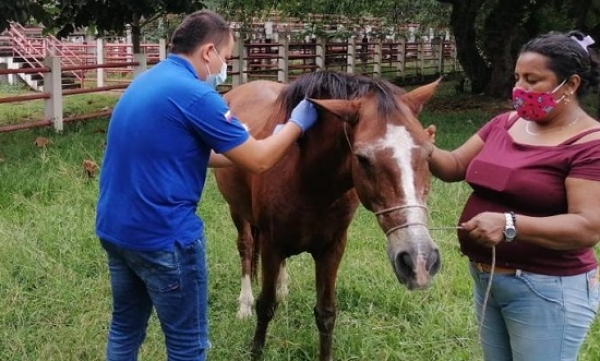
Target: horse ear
x=419, y=96
x=346, y=110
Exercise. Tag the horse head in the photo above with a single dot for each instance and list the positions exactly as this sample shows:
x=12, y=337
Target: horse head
x=390, y=172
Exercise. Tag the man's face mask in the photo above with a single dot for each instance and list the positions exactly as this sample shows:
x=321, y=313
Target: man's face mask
x=215, y=80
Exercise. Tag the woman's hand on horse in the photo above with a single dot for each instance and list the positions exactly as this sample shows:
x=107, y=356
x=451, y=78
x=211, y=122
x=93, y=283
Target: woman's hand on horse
x=430, y=131
x=304, y=115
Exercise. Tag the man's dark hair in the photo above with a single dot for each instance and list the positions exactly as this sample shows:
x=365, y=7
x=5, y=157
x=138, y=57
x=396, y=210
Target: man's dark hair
x=197, y=29
x=567, y=57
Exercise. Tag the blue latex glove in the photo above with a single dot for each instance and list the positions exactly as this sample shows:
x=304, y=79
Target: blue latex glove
x=304, y=115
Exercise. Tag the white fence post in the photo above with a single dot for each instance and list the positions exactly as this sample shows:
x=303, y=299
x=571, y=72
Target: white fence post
x=377, y=58
x=351, y=55
x=420, y=56
x=100, y=60
x=143, y=64
x=162, y=49
x=282, y=64
x=245, y=56
x=129, y=42
x=53, y=106
x=440, y=55
x=237, y=60
x=320, y=45
x=4, y=77
x=401, y=64
x=12, y=78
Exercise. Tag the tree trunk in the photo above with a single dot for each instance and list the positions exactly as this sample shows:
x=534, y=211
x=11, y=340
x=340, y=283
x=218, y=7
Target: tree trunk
x=136, y=34
x=501, y=30
x=462, y=20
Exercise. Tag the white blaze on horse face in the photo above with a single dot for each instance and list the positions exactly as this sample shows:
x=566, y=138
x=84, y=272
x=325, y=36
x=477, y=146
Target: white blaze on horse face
x=401, y=142
x=413, y=240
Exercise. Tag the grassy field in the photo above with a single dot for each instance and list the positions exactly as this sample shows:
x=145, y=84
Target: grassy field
x=54, y=292
x=22, y=112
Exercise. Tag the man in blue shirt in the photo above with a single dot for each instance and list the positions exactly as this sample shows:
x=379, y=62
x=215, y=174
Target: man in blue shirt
x=167, y=128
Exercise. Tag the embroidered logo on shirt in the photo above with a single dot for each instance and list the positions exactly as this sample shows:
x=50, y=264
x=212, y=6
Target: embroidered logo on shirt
x=228, y=116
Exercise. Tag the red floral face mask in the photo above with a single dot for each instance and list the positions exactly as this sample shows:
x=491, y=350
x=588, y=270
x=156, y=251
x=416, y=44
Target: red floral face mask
x=534, y=106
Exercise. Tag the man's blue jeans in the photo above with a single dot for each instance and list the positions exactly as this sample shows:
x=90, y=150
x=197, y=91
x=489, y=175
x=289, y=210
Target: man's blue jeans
x=533, y=317
x=174, y=284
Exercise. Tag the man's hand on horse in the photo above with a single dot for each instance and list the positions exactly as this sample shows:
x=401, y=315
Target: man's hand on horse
x=304, y=115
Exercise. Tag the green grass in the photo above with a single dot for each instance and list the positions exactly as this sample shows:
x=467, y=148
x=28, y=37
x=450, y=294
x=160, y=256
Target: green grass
x=54, y=292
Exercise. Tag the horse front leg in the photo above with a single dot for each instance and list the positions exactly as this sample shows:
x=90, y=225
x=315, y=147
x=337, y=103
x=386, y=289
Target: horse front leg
x=266, y=304
x=326, y=267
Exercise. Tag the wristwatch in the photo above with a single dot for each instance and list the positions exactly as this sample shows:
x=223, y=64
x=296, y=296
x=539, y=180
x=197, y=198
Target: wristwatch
x=510, y=232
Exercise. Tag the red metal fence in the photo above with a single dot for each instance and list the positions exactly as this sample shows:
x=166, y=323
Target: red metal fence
x=281, y=58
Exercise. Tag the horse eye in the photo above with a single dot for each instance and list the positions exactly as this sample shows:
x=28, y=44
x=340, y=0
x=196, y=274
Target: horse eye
x=364, y=161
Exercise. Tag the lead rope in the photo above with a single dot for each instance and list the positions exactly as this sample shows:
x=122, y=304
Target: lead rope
x=488, y=291
x=488, y=288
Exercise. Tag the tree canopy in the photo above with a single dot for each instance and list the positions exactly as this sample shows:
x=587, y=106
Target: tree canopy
x=13, y=11
x=65, y=16
x=488, y=33
x=425, y=12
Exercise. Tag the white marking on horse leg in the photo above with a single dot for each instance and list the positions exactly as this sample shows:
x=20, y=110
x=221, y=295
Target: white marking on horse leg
x=246, y=299
x=282, y=283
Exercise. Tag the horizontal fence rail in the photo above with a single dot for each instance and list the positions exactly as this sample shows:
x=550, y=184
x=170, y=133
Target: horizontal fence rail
x=54, y=93
x=283, y=57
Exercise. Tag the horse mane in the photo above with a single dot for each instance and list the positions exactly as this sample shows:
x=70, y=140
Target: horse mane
x=337, y=85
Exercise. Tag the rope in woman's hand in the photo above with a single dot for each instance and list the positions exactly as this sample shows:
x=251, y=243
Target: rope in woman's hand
x=488, y=290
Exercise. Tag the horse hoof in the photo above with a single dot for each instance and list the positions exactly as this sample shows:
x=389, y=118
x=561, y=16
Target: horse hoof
x=244, y=313
x=282, y=293
x=256, y=354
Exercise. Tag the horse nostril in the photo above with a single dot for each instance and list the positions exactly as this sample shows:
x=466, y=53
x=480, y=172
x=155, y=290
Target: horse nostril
x=404, y=263
x=434, y=262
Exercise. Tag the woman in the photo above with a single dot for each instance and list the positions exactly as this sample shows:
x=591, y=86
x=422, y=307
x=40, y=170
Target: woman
x=533, y=217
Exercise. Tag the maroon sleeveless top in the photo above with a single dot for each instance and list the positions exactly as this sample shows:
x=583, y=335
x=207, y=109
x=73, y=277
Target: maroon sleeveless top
x=529, y=180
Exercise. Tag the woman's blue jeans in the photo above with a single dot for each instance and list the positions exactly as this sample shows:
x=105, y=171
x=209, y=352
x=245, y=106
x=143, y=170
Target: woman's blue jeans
x=533, y=317
x=174, y=284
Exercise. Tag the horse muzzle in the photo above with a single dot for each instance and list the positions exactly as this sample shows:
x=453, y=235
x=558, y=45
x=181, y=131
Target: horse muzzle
x=416, y=264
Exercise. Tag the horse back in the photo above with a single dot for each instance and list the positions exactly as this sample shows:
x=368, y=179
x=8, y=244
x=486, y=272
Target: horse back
x=253, y=103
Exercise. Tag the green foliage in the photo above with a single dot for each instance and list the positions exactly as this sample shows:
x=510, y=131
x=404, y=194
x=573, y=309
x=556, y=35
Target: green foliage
x=554, y=18
x=490, y=32
x=387, y=12
x=64, y=16
x=424, y=12
x=17, y=10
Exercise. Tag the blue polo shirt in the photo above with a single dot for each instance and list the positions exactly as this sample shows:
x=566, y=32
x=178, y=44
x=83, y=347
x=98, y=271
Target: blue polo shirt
x=158, y=144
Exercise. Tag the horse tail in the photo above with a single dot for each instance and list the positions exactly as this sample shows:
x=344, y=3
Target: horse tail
x=255, y=253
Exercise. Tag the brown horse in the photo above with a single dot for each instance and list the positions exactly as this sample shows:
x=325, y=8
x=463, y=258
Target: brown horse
x=367, y=146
